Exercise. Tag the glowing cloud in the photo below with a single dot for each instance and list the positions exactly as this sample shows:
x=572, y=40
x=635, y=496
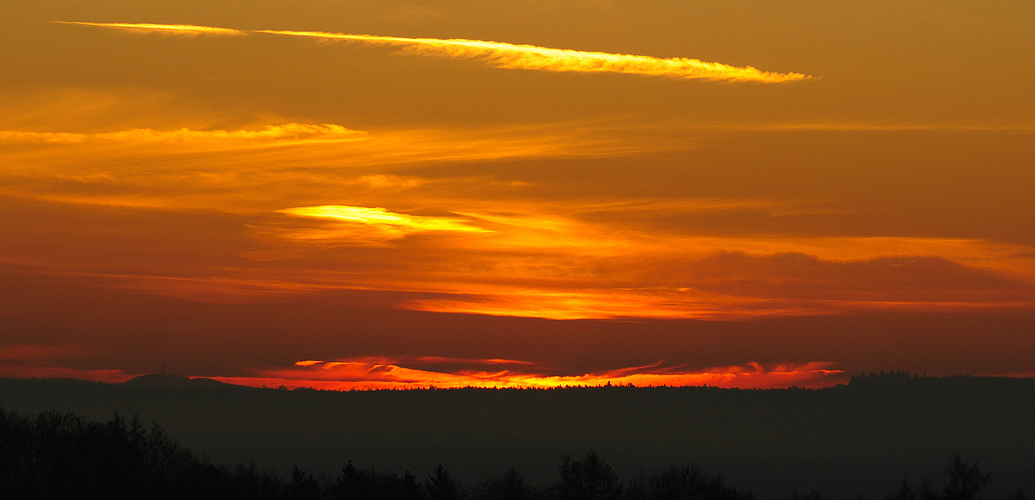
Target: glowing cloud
x=394, y=223
x=510, y=56
x=165, y=29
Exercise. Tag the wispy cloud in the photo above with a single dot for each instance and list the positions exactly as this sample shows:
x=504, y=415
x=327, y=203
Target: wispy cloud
x=309, y=164
x=509, y=55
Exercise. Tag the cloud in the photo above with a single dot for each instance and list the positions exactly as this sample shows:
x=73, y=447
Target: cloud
x=390, y=224
x=508, y=55
x=162, y=29
x=305, y=163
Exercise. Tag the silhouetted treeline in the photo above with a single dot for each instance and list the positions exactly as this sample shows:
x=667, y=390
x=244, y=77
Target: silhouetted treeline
x=62, y=456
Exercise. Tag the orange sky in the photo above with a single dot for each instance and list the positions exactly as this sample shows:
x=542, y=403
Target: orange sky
x=637, y=192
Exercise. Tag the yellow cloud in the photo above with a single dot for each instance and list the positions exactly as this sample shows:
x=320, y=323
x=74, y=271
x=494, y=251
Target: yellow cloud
x=381, y=218
x=510, y=56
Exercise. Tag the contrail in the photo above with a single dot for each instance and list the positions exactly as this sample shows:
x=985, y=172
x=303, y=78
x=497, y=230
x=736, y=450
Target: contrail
x=167, y=29
x=511, y=56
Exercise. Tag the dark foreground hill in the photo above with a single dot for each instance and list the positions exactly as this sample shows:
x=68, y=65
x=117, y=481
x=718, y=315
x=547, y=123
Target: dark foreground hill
x=846, y=440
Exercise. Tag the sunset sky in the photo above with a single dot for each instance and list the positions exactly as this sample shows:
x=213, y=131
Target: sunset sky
x=364, y=194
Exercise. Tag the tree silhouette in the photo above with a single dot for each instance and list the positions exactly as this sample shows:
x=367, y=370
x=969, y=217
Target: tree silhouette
x=965, y=481
x=442, y=486
x=587, y=479
x=508, y=486
x=811, y=495
x=905, y=492
x=351, y=484
x=357, y=484
x=303, y=485
x=682, y=483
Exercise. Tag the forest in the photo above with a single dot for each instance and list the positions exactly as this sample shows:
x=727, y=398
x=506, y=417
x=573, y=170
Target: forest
x=62, y=455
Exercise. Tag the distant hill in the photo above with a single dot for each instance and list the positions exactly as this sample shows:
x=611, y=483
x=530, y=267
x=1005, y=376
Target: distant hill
x=171, y=380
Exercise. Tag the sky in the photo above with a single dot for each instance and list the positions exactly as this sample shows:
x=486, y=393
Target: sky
x=526, y=193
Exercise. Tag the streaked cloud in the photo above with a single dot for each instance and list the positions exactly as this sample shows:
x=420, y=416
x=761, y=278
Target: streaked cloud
x=509, y=55
x=163, y=29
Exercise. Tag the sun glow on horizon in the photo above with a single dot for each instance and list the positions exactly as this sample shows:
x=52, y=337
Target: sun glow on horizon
x=388, y=373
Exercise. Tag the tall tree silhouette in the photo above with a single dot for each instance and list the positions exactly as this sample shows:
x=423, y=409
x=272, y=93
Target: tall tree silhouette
x=965, y=481
x=442, y=486
x=508, y=486
x=588, y=479
x=303, y=485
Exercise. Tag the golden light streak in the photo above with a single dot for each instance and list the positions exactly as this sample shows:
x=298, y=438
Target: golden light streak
x=510, y=56
x=608, y=304
x=385, y=373
x=688, y=304
x=395, y=223
x=165, y=29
